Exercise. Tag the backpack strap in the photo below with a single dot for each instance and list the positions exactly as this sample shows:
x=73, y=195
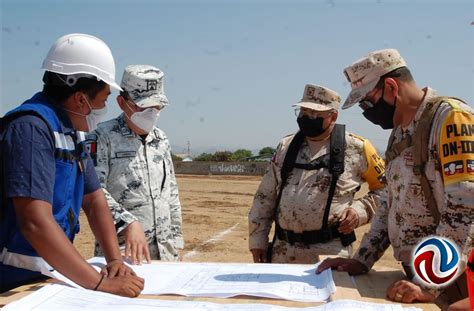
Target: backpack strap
x=287, y=167
x=336, y=165
x=420, y=142
x=336, y=168
x=421, y=150
x=395, y=149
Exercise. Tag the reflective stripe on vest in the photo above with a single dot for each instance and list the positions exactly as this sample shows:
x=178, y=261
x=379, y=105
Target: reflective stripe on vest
x=67, y=193
x=32, y=263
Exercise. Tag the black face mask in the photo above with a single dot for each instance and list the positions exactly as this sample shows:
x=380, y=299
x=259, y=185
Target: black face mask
x=311, y=127
x=382, y=113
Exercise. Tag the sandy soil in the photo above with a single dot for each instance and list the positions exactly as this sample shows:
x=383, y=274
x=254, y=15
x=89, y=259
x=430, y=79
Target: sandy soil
x=215, y=220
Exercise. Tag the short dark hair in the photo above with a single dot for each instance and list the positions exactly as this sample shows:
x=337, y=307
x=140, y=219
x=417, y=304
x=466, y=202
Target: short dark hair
x=55, y=87
x=401, y=74
x=125, y=95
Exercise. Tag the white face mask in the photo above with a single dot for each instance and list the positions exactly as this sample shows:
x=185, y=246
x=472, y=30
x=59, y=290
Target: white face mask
x=145, y=119
x=94, y=117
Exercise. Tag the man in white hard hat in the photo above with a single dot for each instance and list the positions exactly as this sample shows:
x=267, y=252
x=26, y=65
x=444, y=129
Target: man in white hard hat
x=133, y=161
x=309, y=187
x=47, y=174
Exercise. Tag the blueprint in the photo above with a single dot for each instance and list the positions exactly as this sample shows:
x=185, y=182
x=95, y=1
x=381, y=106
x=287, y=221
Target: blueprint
x=57, y=297
x=222, y=280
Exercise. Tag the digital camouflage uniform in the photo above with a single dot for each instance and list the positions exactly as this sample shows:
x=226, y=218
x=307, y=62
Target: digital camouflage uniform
x=408, y=219
x=304, y=198
x=139, y=183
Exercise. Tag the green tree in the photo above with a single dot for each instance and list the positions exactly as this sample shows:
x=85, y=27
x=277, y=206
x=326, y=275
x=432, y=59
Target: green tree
x=266, y=151
x=241, y=154
x=204, y=157
x=222, y=156
x=175, y=158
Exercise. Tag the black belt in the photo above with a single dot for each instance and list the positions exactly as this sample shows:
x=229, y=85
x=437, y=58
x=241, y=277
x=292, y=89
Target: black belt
x=309, y=237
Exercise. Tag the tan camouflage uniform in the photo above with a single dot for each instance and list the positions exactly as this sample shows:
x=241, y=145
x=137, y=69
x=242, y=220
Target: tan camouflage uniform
x=304, y=199
x=408, y=220
x=139, y=183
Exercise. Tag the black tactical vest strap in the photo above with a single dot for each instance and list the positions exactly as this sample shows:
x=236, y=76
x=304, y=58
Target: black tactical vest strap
x=336, y=165
x=336, y=168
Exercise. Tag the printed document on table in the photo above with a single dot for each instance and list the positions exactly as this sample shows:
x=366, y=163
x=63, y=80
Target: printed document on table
x=61, y=297
x=221, y=280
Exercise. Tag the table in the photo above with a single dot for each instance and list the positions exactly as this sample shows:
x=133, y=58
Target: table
x=369, y=287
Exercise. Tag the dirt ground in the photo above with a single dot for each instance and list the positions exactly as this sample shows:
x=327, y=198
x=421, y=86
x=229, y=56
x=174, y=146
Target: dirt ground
x=215, y=226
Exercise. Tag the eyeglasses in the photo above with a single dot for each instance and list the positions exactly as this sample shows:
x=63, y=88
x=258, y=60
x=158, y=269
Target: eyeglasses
x=312, y=114
x=366, y=104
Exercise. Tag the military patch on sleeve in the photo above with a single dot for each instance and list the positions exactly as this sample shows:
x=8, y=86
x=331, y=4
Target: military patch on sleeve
x=456, y=143
x=91, y=145
x=375, y=173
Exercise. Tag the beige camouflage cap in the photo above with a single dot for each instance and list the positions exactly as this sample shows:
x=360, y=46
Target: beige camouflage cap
x=319, y=98
x=366, y=72
x=144, y=84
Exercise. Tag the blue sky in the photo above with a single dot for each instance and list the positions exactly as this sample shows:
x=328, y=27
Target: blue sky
x=234, y=68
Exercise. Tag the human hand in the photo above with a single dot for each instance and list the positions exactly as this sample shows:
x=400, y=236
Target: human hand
x=407, y=292
x=348, y=221
x=116, y=267
x=125, y=285
x=259, y=255
x=136, y=245
x=351, y=266
x=461, y=305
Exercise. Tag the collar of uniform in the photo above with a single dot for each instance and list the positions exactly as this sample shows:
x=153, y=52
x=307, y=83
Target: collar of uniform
x=410, y=129
x=65, y=122
x=314, y=149
x=429, y=94
x=154, y=134
x=126, y=131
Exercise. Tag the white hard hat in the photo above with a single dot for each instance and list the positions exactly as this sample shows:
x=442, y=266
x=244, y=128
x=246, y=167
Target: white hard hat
x=77, y=53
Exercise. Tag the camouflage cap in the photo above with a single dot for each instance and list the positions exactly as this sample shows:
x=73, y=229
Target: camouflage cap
x=319, y=98
x=364, y=74
x=144, y=84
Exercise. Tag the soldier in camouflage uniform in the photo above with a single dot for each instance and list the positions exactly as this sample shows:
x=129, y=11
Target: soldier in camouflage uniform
x=133, y=161
x=388, y=95
x=305, y=194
